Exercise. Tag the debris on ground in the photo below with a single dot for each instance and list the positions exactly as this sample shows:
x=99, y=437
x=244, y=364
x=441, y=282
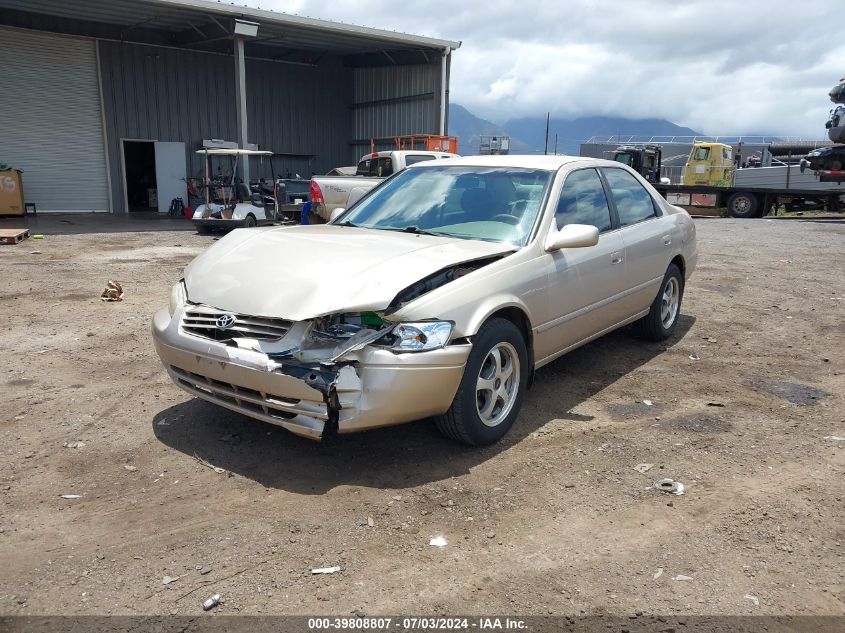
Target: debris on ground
x=211, y=602
x=753, y=599
x=370, y=522
x=694, y=356
x=490, y=535
x=670, y=485
x=71, y=496
x=325, y=570
x=169, y=579
x=113, y=292
x=643, y=468
x=713, y=403
x=204, y=570
x=216, y=469
x=835, y=438
x=681, y=577
x=130, y=468
x=658, y=573
x=648, y=403
x=438, y=541
x=74, y=444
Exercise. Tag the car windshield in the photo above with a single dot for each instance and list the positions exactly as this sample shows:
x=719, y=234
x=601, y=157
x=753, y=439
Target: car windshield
x=497, y=204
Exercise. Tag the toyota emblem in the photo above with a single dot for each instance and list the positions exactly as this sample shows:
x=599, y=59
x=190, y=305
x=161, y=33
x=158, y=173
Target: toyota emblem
x=225, y=321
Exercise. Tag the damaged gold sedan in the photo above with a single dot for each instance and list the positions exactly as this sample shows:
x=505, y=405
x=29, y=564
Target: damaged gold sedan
x=437, y=295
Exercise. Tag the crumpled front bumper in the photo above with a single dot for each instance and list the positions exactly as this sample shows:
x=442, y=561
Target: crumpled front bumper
x=379, y=388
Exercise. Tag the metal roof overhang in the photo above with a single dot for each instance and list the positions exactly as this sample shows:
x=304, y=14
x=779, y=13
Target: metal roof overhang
x=204, y=25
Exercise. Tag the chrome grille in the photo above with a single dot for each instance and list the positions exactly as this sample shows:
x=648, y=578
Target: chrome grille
x=202, y=321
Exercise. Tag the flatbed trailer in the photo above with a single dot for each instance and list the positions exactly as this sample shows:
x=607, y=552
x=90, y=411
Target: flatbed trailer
x=749, y=201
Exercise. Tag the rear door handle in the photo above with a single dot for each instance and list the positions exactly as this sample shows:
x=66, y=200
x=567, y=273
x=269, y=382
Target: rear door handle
x=616, y=258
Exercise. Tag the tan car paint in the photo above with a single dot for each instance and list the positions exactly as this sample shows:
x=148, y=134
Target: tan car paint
x=568, y=297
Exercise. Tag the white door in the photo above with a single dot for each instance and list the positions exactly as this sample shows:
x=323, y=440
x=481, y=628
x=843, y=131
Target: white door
x=170, y=174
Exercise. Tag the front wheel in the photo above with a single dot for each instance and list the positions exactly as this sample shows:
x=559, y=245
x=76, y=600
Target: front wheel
x=660, y=322
x=490, y=394
x=249, y=221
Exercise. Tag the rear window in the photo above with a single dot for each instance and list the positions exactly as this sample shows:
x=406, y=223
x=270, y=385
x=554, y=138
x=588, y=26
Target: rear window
x=413, y=160
x=379, y=167
x=701, y=153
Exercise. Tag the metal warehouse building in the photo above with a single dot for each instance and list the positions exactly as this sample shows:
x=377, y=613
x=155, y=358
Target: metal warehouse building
x=102, y=98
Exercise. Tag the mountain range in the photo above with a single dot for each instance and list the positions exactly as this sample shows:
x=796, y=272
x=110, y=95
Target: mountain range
x=527, y=134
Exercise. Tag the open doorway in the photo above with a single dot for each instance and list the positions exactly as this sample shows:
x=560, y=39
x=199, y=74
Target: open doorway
x=139, y=163
x=154, y=173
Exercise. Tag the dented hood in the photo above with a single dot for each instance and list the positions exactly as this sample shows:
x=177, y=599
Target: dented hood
x=303, y=272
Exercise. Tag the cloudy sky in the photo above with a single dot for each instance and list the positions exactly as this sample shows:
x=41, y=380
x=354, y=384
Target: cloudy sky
x=718, y=66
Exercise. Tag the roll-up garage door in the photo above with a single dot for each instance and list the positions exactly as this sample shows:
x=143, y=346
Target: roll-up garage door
x=51, y=125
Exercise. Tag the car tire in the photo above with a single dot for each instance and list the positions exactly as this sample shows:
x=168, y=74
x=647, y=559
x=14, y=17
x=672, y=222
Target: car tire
x=203, y=230
x=499, y=359
x=313, y=218
x=743, y=205
x=249, y=221
x=662, y=318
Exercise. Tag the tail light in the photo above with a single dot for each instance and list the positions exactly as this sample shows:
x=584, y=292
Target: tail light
x=316, y=193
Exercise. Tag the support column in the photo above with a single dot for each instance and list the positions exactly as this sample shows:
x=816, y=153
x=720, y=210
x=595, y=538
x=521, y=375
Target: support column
x=444, y=61
x=240, y=98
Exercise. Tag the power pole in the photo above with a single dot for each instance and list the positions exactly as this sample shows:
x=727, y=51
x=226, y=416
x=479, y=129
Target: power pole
x=548, y=118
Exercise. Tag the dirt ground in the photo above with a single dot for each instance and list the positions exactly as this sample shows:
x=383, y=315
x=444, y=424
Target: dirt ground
x=553, y=520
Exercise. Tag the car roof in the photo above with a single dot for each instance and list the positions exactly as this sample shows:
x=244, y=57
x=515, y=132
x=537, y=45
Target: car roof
x=527, y=161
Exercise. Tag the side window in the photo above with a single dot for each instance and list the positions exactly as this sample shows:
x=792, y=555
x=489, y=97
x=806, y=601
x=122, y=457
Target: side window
x=412, y=160
x=702, y=153
x=633, y=203
x=582, y=201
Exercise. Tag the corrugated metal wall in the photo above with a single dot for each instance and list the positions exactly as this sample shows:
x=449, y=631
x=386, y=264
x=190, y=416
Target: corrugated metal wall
x=50, y=123
x=414, y=116
x=173, y=95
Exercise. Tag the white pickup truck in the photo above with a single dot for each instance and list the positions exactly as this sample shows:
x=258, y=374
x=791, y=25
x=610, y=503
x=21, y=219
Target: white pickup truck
x=340, y=192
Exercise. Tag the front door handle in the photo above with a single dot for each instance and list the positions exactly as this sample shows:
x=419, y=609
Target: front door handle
x=615, y=258
x=667, y=240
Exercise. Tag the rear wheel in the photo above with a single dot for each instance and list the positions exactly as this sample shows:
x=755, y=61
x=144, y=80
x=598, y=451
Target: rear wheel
x=313, y=218
x=743, y=205
x=249, y=221
x=660, y=322
x=490, y=394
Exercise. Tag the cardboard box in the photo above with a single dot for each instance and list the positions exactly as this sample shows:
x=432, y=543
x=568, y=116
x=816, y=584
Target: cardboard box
x=11, y=193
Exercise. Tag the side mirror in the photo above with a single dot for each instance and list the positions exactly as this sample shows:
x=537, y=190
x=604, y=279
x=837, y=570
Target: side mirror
x=573, y=236
x=336, y=214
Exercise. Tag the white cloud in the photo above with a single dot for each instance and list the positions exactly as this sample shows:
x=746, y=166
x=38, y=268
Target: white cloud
x=719, y=66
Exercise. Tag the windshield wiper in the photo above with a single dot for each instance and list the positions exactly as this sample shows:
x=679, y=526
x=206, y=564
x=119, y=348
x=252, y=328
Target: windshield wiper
x=346, y=223
x=417, y=230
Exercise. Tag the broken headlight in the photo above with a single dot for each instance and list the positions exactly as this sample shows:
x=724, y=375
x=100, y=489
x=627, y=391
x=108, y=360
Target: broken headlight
x=178, y=296
x=420, y=337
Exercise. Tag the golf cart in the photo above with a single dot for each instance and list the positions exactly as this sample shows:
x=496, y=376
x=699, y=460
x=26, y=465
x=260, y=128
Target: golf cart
x=228, y=202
